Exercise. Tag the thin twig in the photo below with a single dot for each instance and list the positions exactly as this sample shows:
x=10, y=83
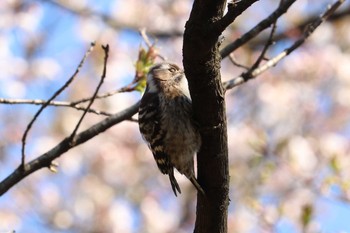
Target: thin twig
x=295, y=31
x=46, y=159
x=59, y=91
x=145, y=38
x=234, y=62
x=244, y=77
x=234, y=9
x=103, y=76
x=53, y=103
x=257, y=29
x=128, y=88
x=150, y=45
x=268, y=43
x=262, y=54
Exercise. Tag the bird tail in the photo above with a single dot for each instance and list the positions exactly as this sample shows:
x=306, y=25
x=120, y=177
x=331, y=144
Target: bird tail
x=196, y=184
x=174, y=185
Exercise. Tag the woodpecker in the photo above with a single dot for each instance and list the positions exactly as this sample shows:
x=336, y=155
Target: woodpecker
x=166, y=123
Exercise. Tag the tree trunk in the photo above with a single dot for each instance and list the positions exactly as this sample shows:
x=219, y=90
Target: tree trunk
x=202, y=60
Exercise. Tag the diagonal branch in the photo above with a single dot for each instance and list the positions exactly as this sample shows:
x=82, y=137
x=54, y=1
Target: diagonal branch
x=294, y=32
x=234, y=9
x=282, y=9
x=59, y=91
x=103, y=76
x=46, y=159
x=266, y=47
x=252, y=73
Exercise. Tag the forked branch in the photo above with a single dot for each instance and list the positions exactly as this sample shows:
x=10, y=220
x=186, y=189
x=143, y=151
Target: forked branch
x=59, y=91
x=252, y=73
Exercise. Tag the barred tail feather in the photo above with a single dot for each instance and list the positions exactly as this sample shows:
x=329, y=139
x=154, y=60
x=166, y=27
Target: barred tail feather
x=174, y=185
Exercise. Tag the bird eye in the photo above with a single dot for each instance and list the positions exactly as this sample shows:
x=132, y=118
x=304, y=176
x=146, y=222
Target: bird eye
x=172, y=69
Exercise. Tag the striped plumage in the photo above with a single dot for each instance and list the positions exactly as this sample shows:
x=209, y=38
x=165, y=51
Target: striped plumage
x=166, y=122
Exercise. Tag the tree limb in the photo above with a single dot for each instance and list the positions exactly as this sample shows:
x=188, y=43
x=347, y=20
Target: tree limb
x=202, y=60
x=300, y=28
x=165, y=34
x=234, y=9
x=59, y=91
x=255, y=71
x=46, y=159
x=103, y=76
x=267, y=22
x=202, y=70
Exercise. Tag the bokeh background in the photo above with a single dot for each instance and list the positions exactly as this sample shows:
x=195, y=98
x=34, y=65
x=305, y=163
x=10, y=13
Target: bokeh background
x=288, y=129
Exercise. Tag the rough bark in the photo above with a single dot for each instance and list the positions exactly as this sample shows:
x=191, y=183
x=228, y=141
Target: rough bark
x=201, y=60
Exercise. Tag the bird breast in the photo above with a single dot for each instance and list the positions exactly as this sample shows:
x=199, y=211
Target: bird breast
x=182, y=137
